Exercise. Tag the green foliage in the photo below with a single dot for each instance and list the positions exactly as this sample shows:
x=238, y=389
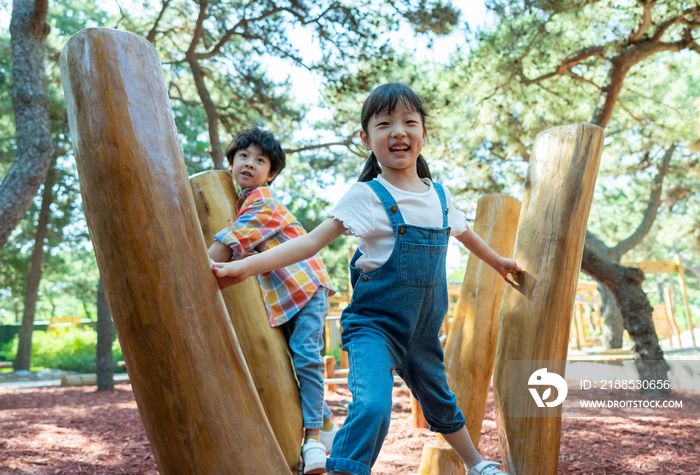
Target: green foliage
x=484, y=113
x=71, y=350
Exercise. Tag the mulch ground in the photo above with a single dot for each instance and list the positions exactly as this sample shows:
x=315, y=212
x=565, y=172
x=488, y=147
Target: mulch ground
x=81, y=431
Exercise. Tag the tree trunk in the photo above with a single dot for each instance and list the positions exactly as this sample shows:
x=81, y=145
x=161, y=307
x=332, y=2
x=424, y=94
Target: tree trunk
x=31, y=107
x=612, y=323
x=626, y=285
x=217, y=154
x=104, y=360
x=24, y=350
x=86, y=310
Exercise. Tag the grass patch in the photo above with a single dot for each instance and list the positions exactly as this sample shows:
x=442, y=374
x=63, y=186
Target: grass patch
x=73, y=349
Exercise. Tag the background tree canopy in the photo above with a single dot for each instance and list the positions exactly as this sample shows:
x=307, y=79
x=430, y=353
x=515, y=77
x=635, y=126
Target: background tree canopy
x=631, y=66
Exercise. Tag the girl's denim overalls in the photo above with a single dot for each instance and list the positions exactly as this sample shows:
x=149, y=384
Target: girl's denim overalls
x=392, y=323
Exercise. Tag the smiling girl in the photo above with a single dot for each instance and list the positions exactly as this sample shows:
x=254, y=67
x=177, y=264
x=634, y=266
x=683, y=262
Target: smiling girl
x=403, y=222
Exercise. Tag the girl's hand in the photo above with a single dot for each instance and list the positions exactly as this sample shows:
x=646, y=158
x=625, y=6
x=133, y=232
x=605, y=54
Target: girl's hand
x=229, y=273
x=507, y=266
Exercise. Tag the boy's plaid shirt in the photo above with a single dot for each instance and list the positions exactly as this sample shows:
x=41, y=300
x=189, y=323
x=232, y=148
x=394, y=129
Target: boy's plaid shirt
x=261, y=223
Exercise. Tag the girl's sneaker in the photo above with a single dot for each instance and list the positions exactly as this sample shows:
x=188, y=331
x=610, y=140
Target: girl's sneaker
x=314, y=455
x=485, y=468
x=327, y=438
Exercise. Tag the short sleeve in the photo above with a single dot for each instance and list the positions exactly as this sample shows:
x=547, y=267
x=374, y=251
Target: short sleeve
x=455, y=218
x=356, y=211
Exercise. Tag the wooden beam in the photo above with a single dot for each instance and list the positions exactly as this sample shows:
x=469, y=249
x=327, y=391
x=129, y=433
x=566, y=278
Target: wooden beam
x=588, y=285
x=535, y=317
x=264, y=348
x=655, y=267
x=195, y=396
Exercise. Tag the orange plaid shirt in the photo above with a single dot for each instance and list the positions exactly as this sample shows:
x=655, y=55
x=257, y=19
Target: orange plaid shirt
x=261, y=223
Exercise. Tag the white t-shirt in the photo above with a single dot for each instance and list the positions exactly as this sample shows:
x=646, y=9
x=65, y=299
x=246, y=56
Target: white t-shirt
x=363, y=215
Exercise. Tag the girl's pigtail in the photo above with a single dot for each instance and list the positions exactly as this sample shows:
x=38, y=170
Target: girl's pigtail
x=372, y=169
x=422, y=168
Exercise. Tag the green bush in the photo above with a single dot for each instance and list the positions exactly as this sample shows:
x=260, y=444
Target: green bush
x=73, y=350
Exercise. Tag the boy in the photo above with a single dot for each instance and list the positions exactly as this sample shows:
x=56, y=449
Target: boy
x=296, y=297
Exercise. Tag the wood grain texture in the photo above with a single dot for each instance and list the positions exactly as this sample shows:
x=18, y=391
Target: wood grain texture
x=438, y=458
x=195, y=396
x=471, y=343
x=265, y=349
x=535, y=318
x=419, y=421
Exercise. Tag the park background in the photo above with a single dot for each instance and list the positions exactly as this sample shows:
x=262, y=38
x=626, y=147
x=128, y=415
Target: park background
x=493, y=73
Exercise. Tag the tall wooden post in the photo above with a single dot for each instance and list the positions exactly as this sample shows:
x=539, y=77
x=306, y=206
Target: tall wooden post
x=470, y=348
x=684, y=293
x=195, y=396
x=264, y=348
x=670, y=312
x=471, y=343
x=535, y=317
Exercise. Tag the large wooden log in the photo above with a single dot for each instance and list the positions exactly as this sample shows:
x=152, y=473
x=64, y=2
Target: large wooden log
x=535, y=318
x=89, y=379
x=265, y=349
x=195, y=396
x=471, y=343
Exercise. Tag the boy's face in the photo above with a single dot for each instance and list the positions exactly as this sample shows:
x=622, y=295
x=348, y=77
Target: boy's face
x=250, y=167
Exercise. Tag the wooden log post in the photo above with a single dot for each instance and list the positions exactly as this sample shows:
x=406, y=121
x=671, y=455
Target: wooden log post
x=470, y=349
x=670, y=312
x=265, y=348
x=89, y=379
x=575, y=329
x=535, y=317
x=684, y=293
x=438, y=458
x=196, y=399
x=419, y=421
x=329, y=371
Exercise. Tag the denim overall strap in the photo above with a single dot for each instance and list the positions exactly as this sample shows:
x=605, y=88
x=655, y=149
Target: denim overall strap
x=443, y=202
x=390, y=206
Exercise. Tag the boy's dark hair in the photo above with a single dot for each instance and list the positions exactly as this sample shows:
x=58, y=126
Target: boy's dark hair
x=267, y=142
x=387, y=96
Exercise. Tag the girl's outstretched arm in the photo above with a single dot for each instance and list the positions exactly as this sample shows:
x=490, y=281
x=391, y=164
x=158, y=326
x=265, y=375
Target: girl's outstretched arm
x=288, y=253
x=483, y=251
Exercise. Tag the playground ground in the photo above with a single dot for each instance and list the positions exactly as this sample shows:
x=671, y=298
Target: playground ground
x=54, y=430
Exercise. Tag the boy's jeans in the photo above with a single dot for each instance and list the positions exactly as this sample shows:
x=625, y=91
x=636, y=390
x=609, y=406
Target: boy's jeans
x=304, y=333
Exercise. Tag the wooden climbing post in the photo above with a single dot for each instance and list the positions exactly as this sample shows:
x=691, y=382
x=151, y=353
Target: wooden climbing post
x=470, y=349
x=265, y=348
x=196, y=399
x=535, y=317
